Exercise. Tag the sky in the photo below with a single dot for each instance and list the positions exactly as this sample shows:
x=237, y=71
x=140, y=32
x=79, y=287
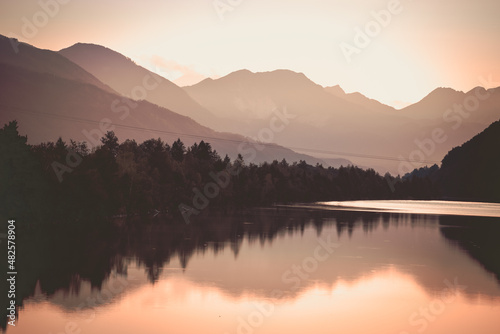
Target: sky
x=395, y=51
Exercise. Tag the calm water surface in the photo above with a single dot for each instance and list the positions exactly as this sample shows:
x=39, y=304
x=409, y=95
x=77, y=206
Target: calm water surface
x=476, y=209
x=273, y=271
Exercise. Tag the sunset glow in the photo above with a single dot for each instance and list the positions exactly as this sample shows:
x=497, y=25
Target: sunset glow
x=250, y=166
x=428, y=44
x=173, y=304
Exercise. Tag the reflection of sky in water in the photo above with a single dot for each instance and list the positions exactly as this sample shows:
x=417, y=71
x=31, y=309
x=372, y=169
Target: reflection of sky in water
x=420, y=207
x=381, y=279
x=382, y=302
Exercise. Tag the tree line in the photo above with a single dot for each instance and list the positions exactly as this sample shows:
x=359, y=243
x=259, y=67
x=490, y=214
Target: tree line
x=153, y=177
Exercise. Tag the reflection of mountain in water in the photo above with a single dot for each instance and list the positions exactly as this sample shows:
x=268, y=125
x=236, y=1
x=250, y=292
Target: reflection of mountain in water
x=62, y=260
x=478, y=236
x=68, y=266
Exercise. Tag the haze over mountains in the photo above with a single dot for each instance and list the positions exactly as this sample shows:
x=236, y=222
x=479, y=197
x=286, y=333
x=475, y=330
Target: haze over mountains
x=360, y=99
x=45, y=61
x=127, y=78
x=52, y=97
x=325, y=121
x=329, y=120
x=89, y=82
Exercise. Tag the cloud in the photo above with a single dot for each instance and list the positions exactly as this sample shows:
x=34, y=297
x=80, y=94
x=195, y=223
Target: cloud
x=181, y=75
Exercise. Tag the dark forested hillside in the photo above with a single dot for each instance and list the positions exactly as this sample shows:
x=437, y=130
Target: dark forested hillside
x=472, y=171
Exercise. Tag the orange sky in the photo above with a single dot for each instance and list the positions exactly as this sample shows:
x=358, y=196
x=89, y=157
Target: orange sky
x=422, y=44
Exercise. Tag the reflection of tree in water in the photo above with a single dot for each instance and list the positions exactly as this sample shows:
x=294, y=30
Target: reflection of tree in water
x=60, y=261
x=478, y=236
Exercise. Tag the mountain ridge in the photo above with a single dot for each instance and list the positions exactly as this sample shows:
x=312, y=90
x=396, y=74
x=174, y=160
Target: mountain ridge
x=58, y=106
x=130, y=79
x=44, y=61
x=365, y=130
x=329, y=119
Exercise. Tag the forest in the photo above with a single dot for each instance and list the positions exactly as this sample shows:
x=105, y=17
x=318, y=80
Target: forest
x=59, y=182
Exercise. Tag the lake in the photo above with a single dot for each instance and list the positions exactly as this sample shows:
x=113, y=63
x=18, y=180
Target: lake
x=358, y=267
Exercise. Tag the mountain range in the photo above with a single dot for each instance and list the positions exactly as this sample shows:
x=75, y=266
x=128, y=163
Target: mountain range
x=68, y=92
x=51, y=97
x=127, y=78
x=330, y=121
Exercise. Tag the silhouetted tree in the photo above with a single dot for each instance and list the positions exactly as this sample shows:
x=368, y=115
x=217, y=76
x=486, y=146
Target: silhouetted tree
x=24, y=193
x=178, y=150
x=110, y=142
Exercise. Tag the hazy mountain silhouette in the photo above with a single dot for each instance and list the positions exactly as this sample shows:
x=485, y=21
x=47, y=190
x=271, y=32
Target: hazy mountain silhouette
x=325, y=121
x=253, y=96
x=123, y=75
x=434, y=104
x=51, y=103
x=438, y=104
x=45, y=61
x=328, y=119
x=359, y=99
x=459, y=115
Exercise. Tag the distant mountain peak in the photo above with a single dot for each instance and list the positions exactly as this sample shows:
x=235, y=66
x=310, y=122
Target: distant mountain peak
x=81, y=46
x=29, y=57
x=440, y=96
x=481, y=89
x=358, y=99
x=93, y=50
x=285, y=72
x=269, y=78
x=336, y=90
x=242, y=71
x=14, y=42
x=444, y=90
x=279, y=73
x=125, y=76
